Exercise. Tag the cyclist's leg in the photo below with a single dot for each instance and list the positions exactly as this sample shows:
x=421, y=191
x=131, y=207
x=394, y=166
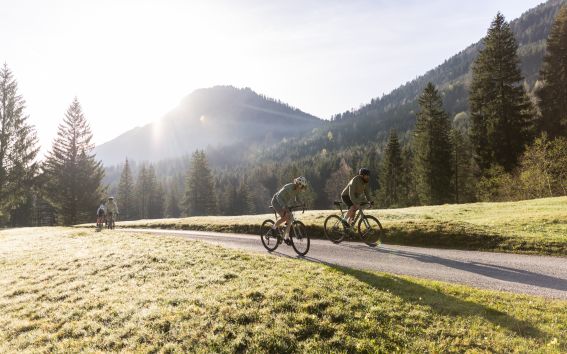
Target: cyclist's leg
x=289, y=219
x=351, y=208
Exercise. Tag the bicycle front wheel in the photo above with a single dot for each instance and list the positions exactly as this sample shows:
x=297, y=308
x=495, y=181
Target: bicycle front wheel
x=370, y=230
x=269, y=241
x=300, y=240
x=334, y=229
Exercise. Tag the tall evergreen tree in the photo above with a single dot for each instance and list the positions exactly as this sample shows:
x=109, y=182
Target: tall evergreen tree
x=142, y=193
x=18, y=148
x=126, y=197
x=408, y=187
x=433, y=151
x=156, y=206
x=501, y=112
x=200, y=196
x=172, y=209
x=73, y=175
x=463, y=178
x=245, y=201
x=553, y=78
x=391, y=173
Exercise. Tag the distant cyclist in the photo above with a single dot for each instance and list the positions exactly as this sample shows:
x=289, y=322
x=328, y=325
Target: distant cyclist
x=100, y=214
x=111, y=209
x=356, y=193
x=285, y=198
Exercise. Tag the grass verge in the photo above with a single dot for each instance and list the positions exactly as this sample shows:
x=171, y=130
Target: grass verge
x=533, y=226
x=70, y=290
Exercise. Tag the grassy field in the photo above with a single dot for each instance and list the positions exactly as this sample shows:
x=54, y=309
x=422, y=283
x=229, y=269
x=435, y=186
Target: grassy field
x=533, y=226
x=70, y=290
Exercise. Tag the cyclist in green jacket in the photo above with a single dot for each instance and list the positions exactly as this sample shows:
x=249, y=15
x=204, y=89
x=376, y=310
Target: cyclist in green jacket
x=356, y=192
x=285, y=198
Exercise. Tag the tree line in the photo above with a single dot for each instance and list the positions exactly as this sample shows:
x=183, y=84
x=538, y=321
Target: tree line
x=511, y=144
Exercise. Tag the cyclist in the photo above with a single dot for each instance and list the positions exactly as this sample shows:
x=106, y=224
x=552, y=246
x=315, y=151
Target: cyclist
x=111, y=209
x=283, y=199
x=100, y=213
x=355, y=193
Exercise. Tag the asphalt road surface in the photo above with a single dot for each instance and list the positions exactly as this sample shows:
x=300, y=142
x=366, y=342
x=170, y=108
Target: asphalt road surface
x=525, y=274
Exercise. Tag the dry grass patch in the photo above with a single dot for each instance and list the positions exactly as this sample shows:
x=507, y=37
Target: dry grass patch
x=70, y=290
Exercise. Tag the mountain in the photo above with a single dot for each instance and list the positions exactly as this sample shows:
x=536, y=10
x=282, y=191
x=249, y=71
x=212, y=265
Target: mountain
x=217, y=116
x=396, y=110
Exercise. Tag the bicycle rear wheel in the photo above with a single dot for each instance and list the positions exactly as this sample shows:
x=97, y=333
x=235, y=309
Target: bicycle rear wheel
x=300, y=240
x=334, y=229
x=269, y=241
x=370, y=230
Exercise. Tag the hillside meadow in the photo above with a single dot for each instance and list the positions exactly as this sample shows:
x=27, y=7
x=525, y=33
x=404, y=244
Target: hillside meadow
x=71, y=290
x=533, y=226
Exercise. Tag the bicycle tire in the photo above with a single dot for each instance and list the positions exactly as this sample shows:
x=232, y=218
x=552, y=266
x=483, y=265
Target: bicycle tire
x=270, y=242
x=372, y=233
x=334, y=230
x=300, y=239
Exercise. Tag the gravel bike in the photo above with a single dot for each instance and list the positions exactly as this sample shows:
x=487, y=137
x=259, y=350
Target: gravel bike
x=298, y=238
x=370, y=230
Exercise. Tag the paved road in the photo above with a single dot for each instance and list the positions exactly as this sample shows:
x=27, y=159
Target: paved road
x=536, y=275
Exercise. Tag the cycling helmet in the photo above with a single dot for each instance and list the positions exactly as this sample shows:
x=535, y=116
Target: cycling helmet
x=302, y=181
x=364, y=172
x=110, y=198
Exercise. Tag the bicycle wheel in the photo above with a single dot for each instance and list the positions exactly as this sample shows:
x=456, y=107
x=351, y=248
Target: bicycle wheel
x=370, y=230
x=269, y=241
x=334, y=229
x=300, y=240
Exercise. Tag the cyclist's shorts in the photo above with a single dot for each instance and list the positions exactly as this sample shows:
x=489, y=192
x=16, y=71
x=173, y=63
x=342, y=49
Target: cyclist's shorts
x=277, y=206
x=347, y=201
x=101, y=213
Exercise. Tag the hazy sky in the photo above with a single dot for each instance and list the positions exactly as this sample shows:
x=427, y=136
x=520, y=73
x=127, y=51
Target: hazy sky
x=131, y=61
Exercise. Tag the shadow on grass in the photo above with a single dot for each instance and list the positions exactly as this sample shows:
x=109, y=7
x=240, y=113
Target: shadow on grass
x=494, y=271
x=436, y=300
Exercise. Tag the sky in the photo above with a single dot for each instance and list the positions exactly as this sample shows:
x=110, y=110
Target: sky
x=131, y=61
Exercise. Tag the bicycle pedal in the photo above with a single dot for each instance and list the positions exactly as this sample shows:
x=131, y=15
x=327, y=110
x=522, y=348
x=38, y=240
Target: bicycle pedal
x=287, y=241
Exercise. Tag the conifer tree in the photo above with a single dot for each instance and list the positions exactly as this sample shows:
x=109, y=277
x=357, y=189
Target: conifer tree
x=126, y=196
x=156, y=206
x=553, y=78
x=501, y=112
x=73, y=175
x=408, y=188
x=172, y=209
x=18, y=148
x=244, y=201
x=143, y=193
x=463, y=178
x=433, y=149
x=391, y=173
x=200, y=197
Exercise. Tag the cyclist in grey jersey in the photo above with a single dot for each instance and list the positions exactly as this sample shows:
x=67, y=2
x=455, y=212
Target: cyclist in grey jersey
x=285, y=198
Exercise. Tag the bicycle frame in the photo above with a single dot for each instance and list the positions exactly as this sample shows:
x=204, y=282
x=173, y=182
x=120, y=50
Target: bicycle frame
x=292, y=211
x=359, y=212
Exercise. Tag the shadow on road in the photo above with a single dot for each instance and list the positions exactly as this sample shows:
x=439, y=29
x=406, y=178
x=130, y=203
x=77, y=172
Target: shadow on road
x=489, y=270
x=436, y=300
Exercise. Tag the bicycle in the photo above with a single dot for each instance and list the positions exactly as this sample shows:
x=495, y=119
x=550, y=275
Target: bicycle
x=298, y=238
x=370, y=230
x=100, y=221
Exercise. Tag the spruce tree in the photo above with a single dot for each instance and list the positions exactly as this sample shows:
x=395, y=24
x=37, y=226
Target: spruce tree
x=156, y=206
x=18, y=148
x=244, y=201
x=126, y=196
x=391, y=173
x=463, y=178
x=408, y=188
x=73, y=175
x=200, y=196
x=553, y=78
x=172, y=209
x=433, y=169
x=143, y=193
x=501, y=112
